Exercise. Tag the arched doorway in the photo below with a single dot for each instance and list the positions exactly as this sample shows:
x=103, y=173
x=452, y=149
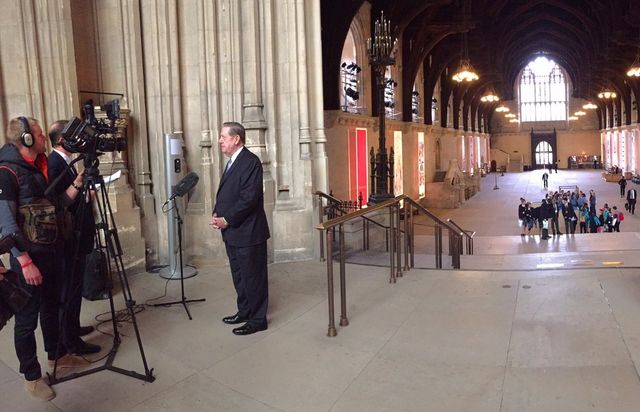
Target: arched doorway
x=544, y=149
x=544, y=153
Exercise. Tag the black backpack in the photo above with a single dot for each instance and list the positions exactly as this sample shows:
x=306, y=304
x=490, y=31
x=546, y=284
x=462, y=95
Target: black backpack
x=96, y=284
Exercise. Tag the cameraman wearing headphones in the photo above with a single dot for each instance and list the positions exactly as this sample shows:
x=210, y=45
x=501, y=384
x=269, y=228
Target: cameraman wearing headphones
x=27, y=215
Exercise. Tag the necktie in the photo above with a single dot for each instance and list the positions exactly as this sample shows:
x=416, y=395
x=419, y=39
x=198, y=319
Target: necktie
x=226, y=168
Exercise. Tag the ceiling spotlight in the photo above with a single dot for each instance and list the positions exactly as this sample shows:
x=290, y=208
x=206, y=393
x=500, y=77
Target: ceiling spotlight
x=502, y=109
x=580, y=113
x=589, y=106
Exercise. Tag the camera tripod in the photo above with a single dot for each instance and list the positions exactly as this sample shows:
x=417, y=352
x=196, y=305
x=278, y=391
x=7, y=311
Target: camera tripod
x=106, y=239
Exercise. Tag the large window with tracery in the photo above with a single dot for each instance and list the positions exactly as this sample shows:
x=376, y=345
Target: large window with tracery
x=543, y=92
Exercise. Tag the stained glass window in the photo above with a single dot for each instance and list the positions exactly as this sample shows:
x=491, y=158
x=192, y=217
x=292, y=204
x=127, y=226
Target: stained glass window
x=543, y=92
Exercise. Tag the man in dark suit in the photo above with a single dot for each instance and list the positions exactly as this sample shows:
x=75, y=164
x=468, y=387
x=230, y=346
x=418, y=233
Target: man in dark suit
x=239, y=214
x=79, y=235
x=632, y=198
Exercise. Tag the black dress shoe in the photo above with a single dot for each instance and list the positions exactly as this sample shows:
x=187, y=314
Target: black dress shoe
x=233, y=319
x=248, y=329
x=85, y=330
x=85, y=349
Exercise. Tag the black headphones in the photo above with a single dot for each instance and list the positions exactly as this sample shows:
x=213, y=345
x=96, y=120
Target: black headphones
x=25, y=136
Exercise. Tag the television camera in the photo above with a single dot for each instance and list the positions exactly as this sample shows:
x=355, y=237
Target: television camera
x=92, y=136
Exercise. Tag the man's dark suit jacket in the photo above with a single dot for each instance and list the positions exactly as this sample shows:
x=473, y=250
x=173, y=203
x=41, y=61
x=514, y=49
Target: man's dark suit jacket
x=85, y=224
x=240, y=200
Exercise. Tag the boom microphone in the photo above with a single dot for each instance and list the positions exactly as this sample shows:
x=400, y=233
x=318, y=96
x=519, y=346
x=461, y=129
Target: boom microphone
x=187, y=183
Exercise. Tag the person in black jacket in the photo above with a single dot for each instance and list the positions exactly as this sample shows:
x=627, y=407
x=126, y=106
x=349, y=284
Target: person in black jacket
x=81, y=235
x=23, y=181
x=239, y=214
x=623, y=185
x=546, y=213
x=522, y=207
x=632, y=198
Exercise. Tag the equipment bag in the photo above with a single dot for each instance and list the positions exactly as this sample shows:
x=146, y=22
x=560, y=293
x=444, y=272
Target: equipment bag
x=96, y=284
x=39, y=222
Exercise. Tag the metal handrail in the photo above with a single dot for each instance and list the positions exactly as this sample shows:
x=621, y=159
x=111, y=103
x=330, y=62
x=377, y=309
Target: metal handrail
x=397, y=237
x=335, y=202
x=469, y=234
x=350, y=216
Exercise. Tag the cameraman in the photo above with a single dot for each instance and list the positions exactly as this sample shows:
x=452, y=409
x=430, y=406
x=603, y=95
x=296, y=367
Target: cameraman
x=27, y=214
x=81, y=235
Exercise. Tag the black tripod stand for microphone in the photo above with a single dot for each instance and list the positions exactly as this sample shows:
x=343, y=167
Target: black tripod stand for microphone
x=183, y=187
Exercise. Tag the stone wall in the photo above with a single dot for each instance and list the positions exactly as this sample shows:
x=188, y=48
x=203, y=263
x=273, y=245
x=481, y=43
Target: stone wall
x=184, y=66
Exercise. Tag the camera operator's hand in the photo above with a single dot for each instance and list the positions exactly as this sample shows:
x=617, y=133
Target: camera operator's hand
x=78, y=181
x=30, y=271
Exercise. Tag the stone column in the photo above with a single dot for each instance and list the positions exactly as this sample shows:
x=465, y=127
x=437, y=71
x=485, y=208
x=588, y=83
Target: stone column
x=318, y=136
x=253, y=118
x=135, y=99
x=164, y=108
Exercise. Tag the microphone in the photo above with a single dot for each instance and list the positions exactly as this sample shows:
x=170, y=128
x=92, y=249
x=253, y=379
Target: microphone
x=187, y=183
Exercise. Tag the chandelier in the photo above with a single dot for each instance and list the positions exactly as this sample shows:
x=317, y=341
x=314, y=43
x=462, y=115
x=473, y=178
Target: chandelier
x=589, y=106
x=502, y=109
x=490, y=97
x=514, y=121
x=509, y=115
x=465, y=72
x=573, y=118
x=634, y=71
x=580, y=113
x=607, y=94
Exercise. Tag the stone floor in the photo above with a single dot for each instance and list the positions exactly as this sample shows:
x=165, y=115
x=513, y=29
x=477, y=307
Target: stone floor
x=514, y=339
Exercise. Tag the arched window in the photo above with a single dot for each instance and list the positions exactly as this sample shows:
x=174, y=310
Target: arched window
x=543, y=92
x=544, y=153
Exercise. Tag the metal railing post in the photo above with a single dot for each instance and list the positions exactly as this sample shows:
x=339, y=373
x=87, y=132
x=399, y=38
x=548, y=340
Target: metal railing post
x=366, y=226
x=412, y=240
x=451, y=242
x=455, y=253
x=438, y=242
x=332, y=322
x=407, y=206
x=392, y=275
x=320, y=217
x=343, y=281
x=398, y=242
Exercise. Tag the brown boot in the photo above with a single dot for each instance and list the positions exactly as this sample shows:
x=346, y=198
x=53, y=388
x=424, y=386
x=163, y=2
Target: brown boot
x=39, y=389
x=69, y=361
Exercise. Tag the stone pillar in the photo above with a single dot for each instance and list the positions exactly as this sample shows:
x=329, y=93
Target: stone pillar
x=253, y=118
x=135, y=99
x=316, y=113
x=163, y=98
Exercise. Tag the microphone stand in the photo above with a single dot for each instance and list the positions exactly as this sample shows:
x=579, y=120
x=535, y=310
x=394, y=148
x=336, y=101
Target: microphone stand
x=183, y=301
